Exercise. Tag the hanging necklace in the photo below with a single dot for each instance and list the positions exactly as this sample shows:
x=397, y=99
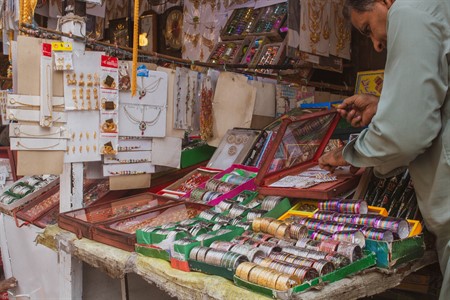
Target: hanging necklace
x=178, y=124
x=188, y=99
x=141, y=122
x=150, y=88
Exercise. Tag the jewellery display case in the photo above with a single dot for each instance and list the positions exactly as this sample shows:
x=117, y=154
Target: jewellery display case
x=224, y=185
x=228, y=52
x=40, y=205
x=81, y=221
x=190, y=181
x=234, y=148
x=255, y=44
x=270, y=20
x=271, y=54
x=290, y=166
x=240, y=24
x=122, y=233
x=26, y=189
x=49, y=218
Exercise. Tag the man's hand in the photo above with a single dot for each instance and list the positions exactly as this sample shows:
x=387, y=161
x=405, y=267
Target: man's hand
x=332, y=159
x=359, y=110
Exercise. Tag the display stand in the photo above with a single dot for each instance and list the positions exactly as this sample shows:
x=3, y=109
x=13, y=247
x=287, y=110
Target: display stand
x=192, y=285
x=70, y=268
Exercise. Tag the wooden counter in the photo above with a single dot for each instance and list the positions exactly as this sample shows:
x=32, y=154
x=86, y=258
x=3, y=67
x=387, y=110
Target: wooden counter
x=192, y=285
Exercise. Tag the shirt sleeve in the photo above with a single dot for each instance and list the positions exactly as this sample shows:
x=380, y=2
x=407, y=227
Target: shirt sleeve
x=415, y=84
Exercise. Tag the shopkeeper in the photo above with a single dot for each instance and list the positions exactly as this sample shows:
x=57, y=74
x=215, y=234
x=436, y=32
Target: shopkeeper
x=411, y=121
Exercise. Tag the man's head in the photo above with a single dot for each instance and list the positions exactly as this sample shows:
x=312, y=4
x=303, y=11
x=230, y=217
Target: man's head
x=369, y=17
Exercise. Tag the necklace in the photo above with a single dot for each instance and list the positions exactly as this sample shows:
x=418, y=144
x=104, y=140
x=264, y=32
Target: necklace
x=188, y=98
x=19, y=144
x=342, y=31
x=141, y=122
x=315, y=13
x=178, y=124
x=18, y=132
x=150, y=88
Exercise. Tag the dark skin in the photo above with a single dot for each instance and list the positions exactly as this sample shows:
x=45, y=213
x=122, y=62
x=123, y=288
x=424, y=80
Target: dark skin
x=358, y=110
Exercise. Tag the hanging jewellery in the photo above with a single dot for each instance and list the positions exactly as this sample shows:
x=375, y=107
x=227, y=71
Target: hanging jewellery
x=141, y=122
x=149, y=88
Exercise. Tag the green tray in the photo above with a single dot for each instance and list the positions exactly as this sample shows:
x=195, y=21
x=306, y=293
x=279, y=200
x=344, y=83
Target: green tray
x=392, y=254
x=367, y=261
x=210, y=269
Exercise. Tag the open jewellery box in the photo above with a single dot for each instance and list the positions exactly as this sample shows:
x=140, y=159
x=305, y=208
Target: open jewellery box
x=81, y=221
x=297, y=144
x=122, y=233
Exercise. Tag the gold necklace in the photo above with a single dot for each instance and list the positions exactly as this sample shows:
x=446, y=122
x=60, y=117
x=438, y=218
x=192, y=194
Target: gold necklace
x=342, y=32
x=19, y=144
x=315, y=14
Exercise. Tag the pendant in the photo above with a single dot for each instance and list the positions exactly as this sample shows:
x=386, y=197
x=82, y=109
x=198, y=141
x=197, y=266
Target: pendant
x=142, y=94
x=142, y=127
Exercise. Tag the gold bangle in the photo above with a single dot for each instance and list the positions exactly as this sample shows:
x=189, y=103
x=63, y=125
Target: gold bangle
x=282, y=231
x=273, y=227
x=256, y=224
x=244, y=269
x=265, y=222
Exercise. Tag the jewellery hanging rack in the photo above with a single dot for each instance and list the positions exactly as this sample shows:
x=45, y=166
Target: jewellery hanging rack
x=126, y=52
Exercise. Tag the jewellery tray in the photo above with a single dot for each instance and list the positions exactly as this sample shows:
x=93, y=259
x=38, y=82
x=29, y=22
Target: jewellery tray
x=313, y=133
x=23, y=212
x=22, y=201
x=279, y=57
x=224, y=36
x=108, y=234
x=173, y=188
x=51, y=216
x=251, y=44
x=235, y=58
x=248, y=185
x=81, y=221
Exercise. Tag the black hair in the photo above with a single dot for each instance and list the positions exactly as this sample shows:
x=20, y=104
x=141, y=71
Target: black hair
x=357, y=5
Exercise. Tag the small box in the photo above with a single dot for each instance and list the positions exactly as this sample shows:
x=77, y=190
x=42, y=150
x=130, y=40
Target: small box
x=270, y=54
x=240, y=23
x=255, y=44
x=295, y=149
x=228, y=52
x=270, y=20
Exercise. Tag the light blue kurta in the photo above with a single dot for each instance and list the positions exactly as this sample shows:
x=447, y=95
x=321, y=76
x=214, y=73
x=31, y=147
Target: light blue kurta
x=412, y=127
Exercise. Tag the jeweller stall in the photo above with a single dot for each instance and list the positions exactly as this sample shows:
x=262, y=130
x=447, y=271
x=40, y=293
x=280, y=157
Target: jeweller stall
x=179, y=144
